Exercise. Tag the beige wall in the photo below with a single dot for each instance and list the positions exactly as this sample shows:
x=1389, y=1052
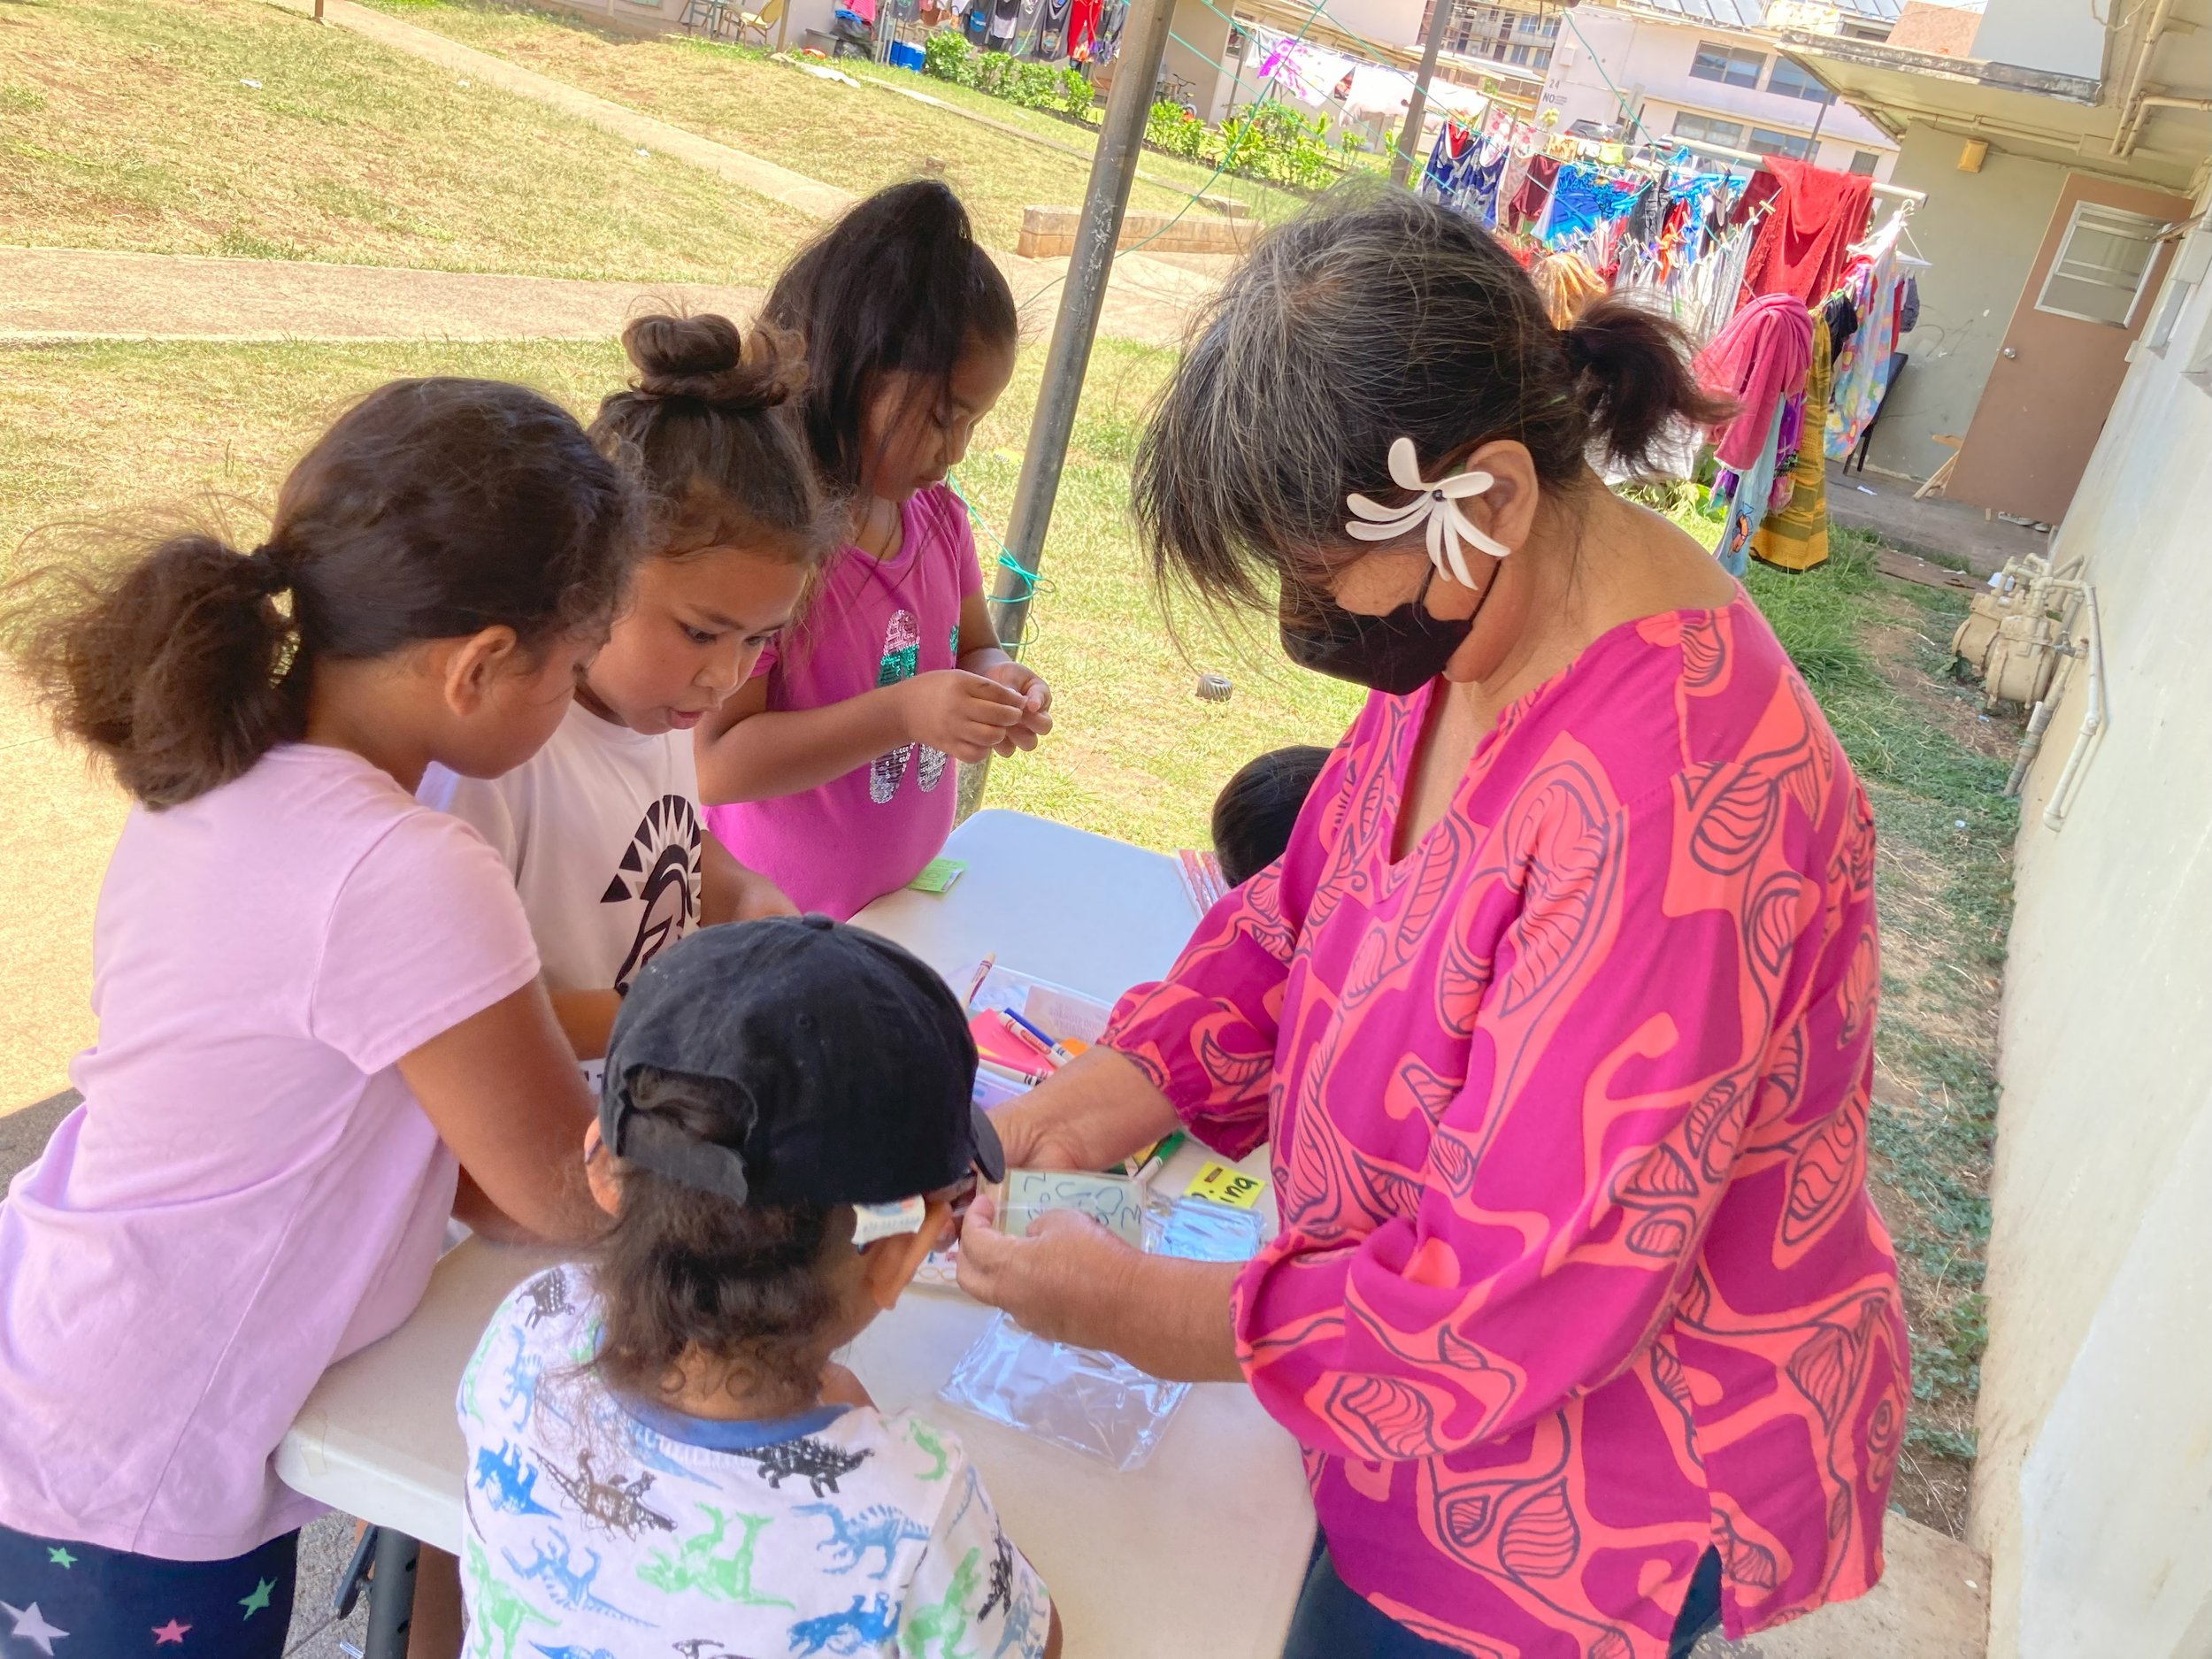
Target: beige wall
x=2093, y=1493
x=1980, y=231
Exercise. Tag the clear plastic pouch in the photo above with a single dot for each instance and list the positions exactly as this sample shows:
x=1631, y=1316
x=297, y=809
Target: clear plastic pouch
x=1089, y=1400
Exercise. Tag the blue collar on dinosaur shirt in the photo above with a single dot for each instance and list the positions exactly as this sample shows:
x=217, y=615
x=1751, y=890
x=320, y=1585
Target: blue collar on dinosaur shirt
x=720, y=1435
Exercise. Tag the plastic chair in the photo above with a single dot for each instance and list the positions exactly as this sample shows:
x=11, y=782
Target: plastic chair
x=754, y=25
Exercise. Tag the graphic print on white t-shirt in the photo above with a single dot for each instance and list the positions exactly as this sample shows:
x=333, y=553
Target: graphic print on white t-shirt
x=660, y=872
x=602, y=831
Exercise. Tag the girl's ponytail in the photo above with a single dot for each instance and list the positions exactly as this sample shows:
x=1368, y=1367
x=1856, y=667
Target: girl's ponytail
x=1632, y=378
x=430, y=509
x=175, y=671
x=897, y=286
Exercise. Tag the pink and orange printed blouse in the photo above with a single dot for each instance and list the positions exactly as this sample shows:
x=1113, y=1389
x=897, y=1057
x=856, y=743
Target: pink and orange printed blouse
x=1578, y=1275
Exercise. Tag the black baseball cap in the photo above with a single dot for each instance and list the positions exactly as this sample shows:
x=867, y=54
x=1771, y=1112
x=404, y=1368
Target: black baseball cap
x=853, y=1058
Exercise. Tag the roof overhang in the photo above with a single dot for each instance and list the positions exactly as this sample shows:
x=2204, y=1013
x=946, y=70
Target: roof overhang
x=2053, y=117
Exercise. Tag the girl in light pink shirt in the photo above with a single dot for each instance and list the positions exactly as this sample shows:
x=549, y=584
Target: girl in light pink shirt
x=827, y=772
x=321, y=1029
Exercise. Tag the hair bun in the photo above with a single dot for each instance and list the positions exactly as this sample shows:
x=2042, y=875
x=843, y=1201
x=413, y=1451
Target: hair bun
x=706, y=358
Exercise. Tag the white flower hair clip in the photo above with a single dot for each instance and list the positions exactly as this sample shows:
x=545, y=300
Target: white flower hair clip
x=1436, y=504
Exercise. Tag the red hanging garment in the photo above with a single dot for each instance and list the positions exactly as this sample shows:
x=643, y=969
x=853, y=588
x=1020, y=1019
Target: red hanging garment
x=1807, y=231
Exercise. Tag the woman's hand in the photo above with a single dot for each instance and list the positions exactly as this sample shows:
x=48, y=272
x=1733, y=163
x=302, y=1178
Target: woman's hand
x=1089, y=1114
x=963, y=715
x=1068, y=1280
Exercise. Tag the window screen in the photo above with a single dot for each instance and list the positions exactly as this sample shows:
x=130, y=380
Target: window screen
x=1790, y=81
x=2101, y=266
x=1864, y=161
x=1766, y=141
x=1703, y=129
x=1730, y=66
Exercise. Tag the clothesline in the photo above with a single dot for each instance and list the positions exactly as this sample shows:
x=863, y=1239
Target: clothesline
x=1721, y=152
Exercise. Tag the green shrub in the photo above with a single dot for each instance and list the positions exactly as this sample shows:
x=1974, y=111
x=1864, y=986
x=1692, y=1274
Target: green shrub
x=991, y=69
x=947, y=55
x=1031, y=86
x=1174, y=129
x=1075, y=95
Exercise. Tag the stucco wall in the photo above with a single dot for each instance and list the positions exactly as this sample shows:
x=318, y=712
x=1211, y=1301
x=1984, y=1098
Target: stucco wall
x=1980, y=232
x=2043, y=34
x=2093, y=1493
x=1650, y=63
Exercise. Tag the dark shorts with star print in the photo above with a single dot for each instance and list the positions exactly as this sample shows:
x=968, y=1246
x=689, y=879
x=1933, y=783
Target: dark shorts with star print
x=65, y=1601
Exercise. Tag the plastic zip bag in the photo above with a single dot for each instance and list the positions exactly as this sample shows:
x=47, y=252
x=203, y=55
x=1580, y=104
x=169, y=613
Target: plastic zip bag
x=1085, y=1399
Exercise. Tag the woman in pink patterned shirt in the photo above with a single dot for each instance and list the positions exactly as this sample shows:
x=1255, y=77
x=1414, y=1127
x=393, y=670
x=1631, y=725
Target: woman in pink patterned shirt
x=1556, y=1015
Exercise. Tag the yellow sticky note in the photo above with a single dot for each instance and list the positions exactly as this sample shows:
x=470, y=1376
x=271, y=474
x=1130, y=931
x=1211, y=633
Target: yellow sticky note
x=1222, y=1184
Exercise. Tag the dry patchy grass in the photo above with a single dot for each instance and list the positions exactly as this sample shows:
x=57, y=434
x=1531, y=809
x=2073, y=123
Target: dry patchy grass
x=129, y=124
x=858, y=138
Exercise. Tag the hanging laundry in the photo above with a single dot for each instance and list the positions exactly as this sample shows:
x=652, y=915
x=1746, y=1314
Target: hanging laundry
x=1568, y=286
x=1794, y=536
x=1298, y=69
x=1451, y=161
x=1867, y=361
x=1083, y=30
x=1376, y=91
x=1908, y=304
x=1531, y=206
x=1813, y=217
x=1759, y=359
x=1483, y=182
x=1747, y=495
x=1582, y=196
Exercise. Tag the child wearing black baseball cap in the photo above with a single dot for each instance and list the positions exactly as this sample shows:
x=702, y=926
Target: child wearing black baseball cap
x=660, y=1452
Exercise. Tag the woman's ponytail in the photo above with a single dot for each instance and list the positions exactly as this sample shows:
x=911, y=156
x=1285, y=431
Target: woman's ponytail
x=173, y=671
x=1632, y=378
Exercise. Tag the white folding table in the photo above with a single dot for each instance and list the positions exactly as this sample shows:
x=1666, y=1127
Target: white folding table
x=1198, y=1553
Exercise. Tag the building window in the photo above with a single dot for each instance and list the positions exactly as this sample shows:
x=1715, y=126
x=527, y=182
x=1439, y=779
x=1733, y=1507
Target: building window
x=2102, y=265
x=1703, y=129
x=1789, y=80
x=1500, y=34
x=1865, y=31
x=1730, y=66
x=1765, y=140
x=1864, y=161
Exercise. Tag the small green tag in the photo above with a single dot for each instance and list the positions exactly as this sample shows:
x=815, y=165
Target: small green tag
x=937, y=875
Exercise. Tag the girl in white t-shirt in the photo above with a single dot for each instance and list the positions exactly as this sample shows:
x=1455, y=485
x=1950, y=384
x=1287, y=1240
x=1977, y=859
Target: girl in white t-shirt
x=601, y=829
x=321, y=1030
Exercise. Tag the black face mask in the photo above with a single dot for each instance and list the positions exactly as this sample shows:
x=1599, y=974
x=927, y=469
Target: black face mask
x=1398, y=652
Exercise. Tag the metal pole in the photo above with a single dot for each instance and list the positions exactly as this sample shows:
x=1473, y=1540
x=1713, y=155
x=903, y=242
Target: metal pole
x=391, y=1595
x=1417, y=110
x=1113, y=169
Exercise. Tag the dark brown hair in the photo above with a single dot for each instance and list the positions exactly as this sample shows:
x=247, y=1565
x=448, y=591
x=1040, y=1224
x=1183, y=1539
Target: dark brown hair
x=683, y=1271
x=1258, y=807
x=430, y=509
x=898, y=284
x=705, y=430
x=1371, y=316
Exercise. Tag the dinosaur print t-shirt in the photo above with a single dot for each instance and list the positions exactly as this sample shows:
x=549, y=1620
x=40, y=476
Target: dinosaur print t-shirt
x=599, y=1525
x=874, y=623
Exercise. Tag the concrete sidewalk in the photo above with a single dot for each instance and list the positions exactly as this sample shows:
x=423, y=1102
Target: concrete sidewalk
x=65, y=293
x=1935, y=527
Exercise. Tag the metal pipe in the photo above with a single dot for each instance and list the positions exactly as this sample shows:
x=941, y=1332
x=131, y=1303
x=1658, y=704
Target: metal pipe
x=2092, y=719
x=2124, y=135
x=1417, y=107
x=2157, y=100
x=1721, y=152
x=1113, y=169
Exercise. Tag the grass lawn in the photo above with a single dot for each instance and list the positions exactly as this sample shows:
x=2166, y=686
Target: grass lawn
x=131, y=123
x=860, y=138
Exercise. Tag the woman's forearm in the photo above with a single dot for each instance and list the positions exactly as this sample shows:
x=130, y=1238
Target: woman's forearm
x=1089, y=1116
x=784, y=751
x=1172, y=1319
